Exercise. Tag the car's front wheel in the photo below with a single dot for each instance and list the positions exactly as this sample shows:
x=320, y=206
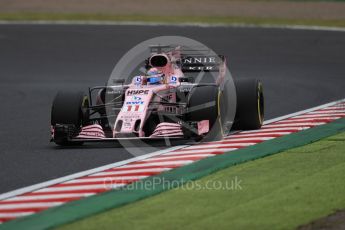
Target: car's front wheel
x=204, y=103
x=69, y=108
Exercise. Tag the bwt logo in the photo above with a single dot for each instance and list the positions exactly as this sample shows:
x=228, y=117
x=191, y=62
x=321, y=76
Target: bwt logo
x=134, y=103
x=137, y=92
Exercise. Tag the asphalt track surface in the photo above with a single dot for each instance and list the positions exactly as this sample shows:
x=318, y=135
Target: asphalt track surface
x=299, y=69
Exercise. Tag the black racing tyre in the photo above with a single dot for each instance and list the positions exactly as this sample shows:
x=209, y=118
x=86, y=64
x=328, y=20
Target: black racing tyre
x=250, y=104
x=69, y=108
x=204, y=104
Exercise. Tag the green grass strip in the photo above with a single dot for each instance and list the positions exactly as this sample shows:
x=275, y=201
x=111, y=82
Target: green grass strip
x=27, y=16
x=93, y=205
x=281, y=191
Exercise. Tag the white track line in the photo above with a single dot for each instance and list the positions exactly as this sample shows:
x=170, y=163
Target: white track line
x=212, y=150
x=320, y=116
x=135, y=159
x=292, y=120
x=327, y=112
x=211, y=146
x=165, y=158
x=258, y=134
x=333, y=108
x=179, y=162
x=203, y=151
x=234, y=140
x=124, y=178
x=29, y=205
x=263, y=130
x=296, y=125
x=51, y=196
x=132, y=171
x=229, y=141
x=79, y=187
x=176, y=156
x=190, y=154
x=134, y=166
x=202, y=25
x=15, y=214
x=164, y=163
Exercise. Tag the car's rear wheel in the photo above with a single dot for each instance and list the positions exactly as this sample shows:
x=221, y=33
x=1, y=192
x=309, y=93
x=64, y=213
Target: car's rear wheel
x=204, y=103
x=250, y=104
x=69, y=108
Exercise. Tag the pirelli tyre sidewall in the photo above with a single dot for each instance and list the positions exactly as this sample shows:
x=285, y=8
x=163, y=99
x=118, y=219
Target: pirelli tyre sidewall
x=204, y=103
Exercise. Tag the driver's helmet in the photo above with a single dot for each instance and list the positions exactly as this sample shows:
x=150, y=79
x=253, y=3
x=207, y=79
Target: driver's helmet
x=154, y=76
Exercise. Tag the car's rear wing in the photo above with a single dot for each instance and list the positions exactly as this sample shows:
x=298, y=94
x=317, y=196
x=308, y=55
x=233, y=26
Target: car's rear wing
x=197, y=63
x=191, y=58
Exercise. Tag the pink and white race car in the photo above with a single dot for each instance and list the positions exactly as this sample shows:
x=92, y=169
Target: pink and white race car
x=164, y=102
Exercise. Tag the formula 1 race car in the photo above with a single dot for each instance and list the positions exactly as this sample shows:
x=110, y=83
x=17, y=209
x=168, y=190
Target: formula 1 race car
x=165, y=102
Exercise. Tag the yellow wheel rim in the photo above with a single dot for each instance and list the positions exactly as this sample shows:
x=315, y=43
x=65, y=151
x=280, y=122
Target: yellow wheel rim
x=259, y=103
